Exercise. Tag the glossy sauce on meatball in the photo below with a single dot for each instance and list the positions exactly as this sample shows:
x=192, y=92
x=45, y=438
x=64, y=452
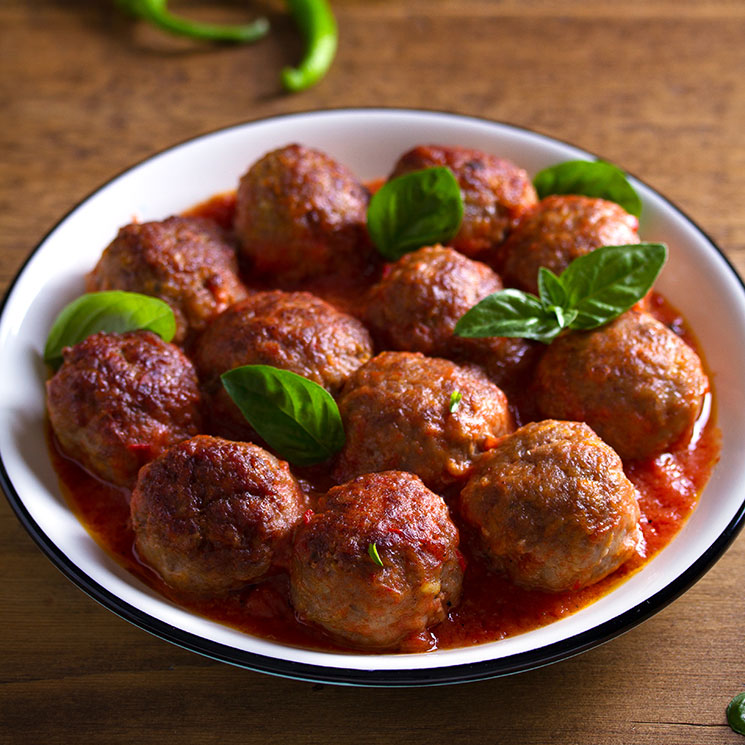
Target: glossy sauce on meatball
x=634, y=381
x=212, y=515
x=119, y=400
x=553, y=507
x=300, y=214
x=559, y=229
x=294, y=331
x=417, y=303
x=495, y=192
x=186, y=261
x=399, y=414
x=336, y=583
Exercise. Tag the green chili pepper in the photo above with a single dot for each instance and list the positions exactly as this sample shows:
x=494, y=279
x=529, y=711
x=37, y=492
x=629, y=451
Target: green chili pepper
x=736, y=714
x=314, y=18
x=317, y=23
x=155, y=12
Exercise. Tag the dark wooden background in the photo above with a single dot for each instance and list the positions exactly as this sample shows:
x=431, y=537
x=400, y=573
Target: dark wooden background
x=657, y=86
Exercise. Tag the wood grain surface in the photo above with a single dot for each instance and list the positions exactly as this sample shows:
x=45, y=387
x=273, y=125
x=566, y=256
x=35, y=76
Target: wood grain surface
x=657, y=86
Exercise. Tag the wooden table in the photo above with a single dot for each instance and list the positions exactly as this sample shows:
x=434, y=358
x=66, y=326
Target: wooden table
x=658, y=86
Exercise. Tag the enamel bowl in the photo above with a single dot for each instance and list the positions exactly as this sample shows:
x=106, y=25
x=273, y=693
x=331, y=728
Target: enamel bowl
x=697, y=279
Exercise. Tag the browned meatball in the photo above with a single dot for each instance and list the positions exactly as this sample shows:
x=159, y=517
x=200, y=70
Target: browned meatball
x=300, y=215
x=294, y=331
x=495, y=192
x=212, y=515
x=635, y=382
x=185, y=261
x=553, y=507
x=335, y=582
x=558, y=230
x=119, y=400
x=397, y=415
x=418, y=302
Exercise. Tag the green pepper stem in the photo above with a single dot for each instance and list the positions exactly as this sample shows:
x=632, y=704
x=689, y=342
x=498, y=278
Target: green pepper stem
x=155, y=12
x=316, y=21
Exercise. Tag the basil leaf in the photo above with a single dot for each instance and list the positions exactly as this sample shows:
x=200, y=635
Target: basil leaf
x=590, y=178
x=553, y=296
x=607, y=281
x=113, y=311
x=295, y=416
x=564, y=316
x=509, y=313
x=455, y=398
x=414, y=210
x=550, y=288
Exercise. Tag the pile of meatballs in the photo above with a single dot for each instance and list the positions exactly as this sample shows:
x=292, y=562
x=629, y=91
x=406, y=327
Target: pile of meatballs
x=432, y=436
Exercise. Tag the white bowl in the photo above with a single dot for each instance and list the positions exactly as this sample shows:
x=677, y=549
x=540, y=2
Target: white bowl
x=697, y=279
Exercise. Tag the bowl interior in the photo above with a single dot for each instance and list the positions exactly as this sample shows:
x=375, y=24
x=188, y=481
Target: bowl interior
x=697, y=280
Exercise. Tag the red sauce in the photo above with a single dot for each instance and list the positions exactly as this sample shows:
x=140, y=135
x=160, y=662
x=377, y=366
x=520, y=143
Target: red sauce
x=491, y=607
x=220, y=208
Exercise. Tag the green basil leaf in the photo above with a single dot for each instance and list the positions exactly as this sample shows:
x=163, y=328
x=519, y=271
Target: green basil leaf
x=455, y=398
x=112, y=311
x=295, y=416
x=564, y=316
x=414, y=210
x=607, y=281
x=591, y=178
x=550, y=289
x=553, y=296
x=509, y=313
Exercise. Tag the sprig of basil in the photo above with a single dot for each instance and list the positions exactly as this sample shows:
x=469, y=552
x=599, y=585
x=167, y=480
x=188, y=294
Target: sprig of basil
x=602, y=286
x=509, y=313
x=416, y=209
x=590, y=178
x=593, y=290
x=113, y=311
x=295, y=416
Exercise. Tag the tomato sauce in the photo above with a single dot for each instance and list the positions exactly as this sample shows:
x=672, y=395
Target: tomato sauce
x=491, y=607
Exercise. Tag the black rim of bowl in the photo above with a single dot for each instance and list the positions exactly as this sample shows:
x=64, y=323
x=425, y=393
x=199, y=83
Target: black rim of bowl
x=461, y=673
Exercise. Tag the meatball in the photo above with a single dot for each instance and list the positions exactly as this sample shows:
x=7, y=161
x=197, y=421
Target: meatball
x=336, y=583
x=119, y=400
x=301, y=215
x=400, y=413
x=552, y=507
x=418, y=302
x=211, y=515
x=558, y=230
x=495, y=192
x=635, y=382
x=294, y=331
x=185, y=261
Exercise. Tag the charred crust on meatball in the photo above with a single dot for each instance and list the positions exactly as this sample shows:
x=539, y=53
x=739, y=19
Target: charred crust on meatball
x=302, y=215
x=212, y=515
x=634, y=381
x=559, y=229
x=397, y=416
x=336, y=585
x=186, y=261
x=294, y=331
x=495, y=192
x=119, y=400
x=418, y=302
x=552, y=507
